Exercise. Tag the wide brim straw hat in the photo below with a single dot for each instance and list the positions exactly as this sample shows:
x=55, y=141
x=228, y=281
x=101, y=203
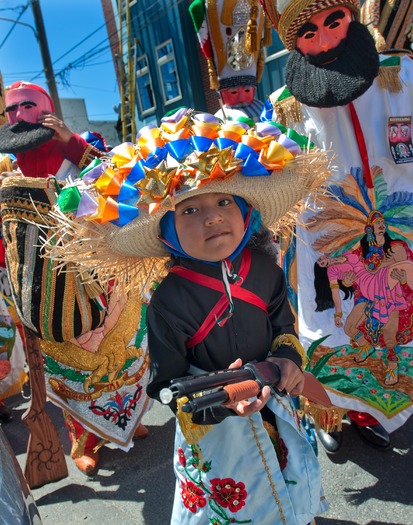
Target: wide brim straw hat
x=287, y=16
x=108, y=221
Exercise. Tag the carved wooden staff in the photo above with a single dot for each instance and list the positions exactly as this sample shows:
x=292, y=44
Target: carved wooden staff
x=45, y=460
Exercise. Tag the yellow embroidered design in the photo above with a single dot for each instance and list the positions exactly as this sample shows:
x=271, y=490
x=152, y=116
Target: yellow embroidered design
x=193, y=433
x=267, y=470
x=290, y=340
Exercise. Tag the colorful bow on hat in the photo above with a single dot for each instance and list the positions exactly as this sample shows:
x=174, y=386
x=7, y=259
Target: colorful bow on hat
x=187, y=150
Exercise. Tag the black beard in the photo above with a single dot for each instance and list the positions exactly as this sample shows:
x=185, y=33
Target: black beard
x=339, y=82
x=23, y=136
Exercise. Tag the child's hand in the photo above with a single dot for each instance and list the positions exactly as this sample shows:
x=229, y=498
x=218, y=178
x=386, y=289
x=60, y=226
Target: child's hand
x=292, y=378
x=246, y=408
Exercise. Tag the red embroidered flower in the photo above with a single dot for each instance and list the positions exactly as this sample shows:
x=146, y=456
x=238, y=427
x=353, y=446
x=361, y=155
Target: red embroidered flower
x=229, y=494
x=282, y=453
x=181, y=457
x=192, y=496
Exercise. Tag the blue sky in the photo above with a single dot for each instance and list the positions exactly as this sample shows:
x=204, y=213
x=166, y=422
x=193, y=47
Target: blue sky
x=78, y=47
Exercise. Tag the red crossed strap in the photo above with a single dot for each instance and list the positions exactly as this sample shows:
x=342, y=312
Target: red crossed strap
x=223, y=302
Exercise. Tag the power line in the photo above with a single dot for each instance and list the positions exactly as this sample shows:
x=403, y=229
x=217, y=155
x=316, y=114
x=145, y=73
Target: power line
x=23, y=9
x=85, y=59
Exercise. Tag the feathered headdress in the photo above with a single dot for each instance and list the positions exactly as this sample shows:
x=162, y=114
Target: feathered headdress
x=348, y=208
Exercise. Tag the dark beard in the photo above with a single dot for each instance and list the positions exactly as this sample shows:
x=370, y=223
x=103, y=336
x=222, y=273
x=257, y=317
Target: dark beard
x=23, y=136
x=339, y=82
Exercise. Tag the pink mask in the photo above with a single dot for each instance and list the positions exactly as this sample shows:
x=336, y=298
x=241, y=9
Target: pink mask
x=324, y=31
x=25, y=104
x=238, y=95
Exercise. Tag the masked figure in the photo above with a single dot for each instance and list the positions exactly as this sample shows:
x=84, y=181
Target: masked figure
x=95, y=364
x=357, y=102
x=230, y=33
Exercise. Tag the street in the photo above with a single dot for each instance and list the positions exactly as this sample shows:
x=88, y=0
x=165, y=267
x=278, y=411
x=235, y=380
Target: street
x=364, y=486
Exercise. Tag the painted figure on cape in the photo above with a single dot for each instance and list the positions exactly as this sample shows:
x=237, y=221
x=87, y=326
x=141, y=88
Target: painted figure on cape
x=380, y=278
x=351, y=98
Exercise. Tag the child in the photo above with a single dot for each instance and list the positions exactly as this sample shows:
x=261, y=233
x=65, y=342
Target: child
x=208, y=200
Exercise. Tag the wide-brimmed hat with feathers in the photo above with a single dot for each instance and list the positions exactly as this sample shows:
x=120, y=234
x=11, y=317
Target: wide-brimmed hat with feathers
x=107, y=221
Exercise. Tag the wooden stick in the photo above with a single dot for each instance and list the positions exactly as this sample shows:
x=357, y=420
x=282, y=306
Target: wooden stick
x=45, y=460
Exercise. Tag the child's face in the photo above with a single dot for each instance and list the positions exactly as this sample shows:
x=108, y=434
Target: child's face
x=209, y=226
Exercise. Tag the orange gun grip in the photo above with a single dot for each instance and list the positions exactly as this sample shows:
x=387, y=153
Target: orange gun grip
x=241, y=391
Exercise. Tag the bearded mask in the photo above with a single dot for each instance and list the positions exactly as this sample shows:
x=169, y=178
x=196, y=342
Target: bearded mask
x=24, y=103
x=337, y=77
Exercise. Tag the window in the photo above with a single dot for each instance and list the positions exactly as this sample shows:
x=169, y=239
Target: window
x=144, y=89
x=168, y=74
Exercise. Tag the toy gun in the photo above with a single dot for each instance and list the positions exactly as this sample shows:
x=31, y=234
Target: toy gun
x=234, y=385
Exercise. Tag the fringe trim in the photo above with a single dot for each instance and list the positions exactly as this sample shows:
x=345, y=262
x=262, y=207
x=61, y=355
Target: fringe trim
x=193, y=433
x=288, y=111
x=65, y=241
x=290, y=340
x=389, y=78
x=327, y=419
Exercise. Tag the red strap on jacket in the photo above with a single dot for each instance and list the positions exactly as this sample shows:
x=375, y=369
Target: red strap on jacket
x=362, y=146
x=223, y=303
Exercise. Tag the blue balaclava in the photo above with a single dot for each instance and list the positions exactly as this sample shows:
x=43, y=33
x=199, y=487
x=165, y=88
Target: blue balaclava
x=252, y=223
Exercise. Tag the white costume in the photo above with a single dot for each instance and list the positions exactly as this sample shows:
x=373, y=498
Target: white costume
x=385, y=118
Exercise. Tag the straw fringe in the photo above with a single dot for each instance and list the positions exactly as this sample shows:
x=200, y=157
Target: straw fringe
x=64, y=241
x=67, y=240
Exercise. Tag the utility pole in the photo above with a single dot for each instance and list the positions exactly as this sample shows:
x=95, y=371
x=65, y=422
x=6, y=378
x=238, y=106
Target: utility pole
x=44, y=49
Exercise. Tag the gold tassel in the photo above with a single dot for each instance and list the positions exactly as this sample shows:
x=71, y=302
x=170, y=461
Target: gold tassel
x=260, y=66
x=380, y=41
x=193, y=433
x=251, y=41
x=267, y=41
x=389, y=78
x=327, y=419
x=213, y=80
x=288, y=111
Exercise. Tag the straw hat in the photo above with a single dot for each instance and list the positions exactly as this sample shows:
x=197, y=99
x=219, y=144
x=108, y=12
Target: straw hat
x=108, y=220
x=287, y=16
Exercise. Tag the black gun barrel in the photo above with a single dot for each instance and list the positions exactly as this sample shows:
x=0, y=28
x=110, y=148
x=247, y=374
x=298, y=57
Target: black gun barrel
x=184, y=386
x=201, y=403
